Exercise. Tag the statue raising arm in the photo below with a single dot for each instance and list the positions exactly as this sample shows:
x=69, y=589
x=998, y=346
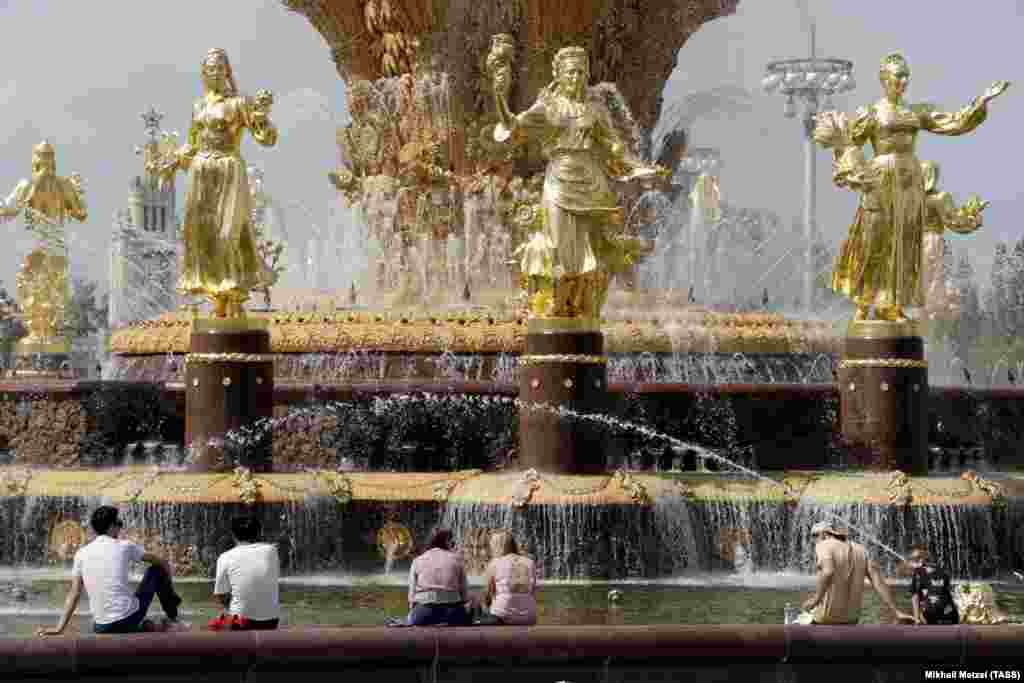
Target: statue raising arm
x=963, y=121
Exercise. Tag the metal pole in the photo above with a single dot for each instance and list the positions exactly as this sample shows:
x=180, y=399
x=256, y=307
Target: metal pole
x=809, y=190
x=809, y=197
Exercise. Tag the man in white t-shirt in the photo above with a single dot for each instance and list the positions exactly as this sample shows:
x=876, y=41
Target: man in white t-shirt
x=247, y=577
x=102, y=567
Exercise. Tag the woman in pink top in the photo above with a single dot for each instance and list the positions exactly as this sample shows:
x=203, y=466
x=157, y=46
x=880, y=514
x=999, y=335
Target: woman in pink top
x=511, y=581
x=437, y=585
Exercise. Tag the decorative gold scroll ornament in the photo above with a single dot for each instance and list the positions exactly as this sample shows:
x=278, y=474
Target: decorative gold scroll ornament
x=394, y=540
x=900, y=493
x=248, y=487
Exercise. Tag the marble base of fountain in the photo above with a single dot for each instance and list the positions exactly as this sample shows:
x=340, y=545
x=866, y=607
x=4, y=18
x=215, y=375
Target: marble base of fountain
x=42, y=361
x=883, y=388
x=229, y=384
x=563, y=366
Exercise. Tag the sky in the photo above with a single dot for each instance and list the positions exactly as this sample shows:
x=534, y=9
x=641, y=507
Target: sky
x=79, y=74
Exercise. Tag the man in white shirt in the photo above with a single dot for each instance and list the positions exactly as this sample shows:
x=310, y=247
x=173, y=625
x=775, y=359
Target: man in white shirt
x=247, y=577
x=102, y=567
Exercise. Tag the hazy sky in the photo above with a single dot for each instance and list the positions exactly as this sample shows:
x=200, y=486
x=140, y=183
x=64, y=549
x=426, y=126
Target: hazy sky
x=80, y=73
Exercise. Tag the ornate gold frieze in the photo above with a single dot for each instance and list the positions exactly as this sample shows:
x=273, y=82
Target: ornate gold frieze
x=576, y=358
x=905, y=363
x=508, y=488
x=202, y=358
x=479, y=333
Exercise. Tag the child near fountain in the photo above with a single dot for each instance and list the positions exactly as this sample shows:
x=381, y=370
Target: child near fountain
x=247, y=581
x=102, y=568
x=931, y=590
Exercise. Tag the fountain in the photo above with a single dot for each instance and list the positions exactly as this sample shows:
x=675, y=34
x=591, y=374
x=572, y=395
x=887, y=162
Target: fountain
x=653, y=438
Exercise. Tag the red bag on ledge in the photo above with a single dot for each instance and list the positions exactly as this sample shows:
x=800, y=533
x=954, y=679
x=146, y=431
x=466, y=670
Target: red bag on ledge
x=227, y=622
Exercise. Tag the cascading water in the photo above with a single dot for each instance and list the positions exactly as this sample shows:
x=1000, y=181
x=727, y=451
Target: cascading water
x=730, y=524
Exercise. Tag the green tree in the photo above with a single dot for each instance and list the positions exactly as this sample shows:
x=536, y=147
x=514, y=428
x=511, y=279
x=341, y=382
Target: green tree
x=11, y=327
x=86, y=314
x=997, y=299
x=967, y=329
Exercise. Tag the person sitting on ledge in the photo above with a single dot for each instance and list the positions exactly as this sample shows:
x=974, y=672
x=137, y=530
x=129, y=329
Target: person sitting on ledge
x=510, y=585
x=931, y=590
x=102, y=567
x=247, y=580
x=437, y=584
x=842, y=568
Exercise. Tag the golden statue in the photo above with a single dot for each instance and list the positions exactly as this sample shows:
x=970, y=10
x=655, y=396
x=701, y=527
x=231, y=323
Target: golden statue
x=567, y=262
x=221, y=261
x=45, y=202
x=941, y=213
x=880, y=262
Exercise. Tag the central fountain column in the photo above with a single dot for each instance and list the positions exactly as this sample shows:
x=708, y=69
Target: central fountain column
x=883, y=389
x=563, y=366
x=229, y=384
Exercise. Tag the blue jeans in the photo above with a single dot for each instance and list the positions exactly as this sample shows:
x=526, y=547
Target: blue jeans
x=451, y=614
x=154, y=582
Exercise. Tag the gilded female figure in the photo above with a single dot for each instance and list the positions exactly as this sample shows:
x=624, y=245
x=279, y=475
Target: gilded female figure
x=582, y=147
x=941, y=213
x=221, y=261
x=880, y=263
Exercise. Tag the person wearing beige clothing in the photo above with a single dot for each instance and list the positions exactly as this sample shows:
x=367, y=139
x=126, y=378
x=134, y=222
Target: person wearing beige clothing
x=842, y=569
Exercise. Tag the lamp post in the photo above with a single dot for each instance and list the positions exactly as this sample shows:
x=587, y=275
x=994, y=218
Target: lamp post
x=808, y=85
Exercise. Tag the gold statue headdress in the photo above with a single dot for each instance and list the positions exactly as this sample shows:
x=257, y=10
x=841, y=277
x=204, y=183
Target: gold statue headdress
x=891, y=60
x=219, y=54
x=571, y=53
x=44, y=148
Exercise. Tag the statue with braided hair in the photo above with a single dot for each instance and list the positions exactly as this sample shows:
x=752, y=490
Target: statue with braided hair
x=221, y=262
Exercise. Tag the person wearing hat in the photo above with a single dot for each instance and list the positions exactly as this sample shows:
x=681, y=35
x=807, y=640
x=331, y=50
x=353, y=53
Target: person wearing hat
x=842, y=567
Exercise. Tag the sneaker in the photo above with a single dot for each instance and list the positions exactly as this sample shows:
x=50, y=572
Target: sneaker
x=173, y=625
x=172, y=609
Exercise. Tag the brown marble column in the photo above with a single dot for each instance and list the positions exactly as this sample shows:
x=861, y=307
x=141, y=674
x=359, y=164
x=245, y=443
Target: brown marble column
x=563, y=365
x=229, y=384
x=883, y=389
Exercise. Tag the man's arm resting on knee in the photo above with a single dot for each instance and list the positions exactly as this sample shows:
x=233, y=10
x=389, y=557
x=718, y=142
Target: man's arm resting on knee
x=157, y=560
x=70, y=605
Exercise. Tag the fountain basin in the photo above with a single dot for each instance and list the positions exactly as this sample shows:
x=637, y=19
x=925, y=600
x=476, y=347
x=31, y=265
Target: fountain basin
x=701, y=653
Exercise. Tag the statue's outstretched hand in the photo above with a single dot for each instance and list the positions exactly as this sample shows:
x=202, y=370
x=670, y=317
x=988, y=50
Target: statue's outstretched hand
x=995, y=90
